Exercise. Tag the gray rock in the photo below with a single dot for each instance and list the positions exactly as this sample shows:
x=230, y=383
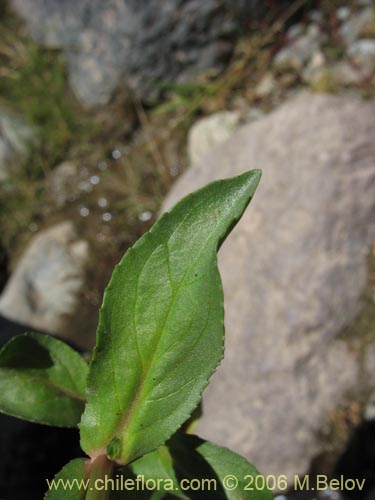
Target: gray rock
x=147, y=41
x=253, y=114
x=95, y=70
x=266, y=86
x=315, y=68
x=294, y=271
x=353, y=28
x=94, y=34
x=369, y=413
x=297, y=53
x=369, y=365
x=42, y=290
x=339, y=73
x=63, y=183
x=316, y=16
x=295, y=31
x=209, y=131
x=16, y=137
x=343, y=13
x=362, y=52
x=346, y=74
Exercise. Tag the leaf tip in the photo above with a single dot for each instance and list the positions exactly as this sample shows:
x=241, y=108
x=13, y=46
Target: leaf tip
x=253, y=178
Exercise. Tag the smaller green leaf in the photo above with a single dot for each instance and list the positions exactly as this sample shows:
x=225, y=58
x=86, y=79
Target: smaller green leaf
x=146, y=469
x=199, y=470
x=42, y=380
x=70, y=483
x=235, y=477
x=158, y=465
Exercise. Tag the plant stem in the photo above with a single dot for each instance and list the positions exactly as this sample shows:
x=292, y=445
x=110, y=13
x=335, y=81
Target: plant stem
x=100, y=475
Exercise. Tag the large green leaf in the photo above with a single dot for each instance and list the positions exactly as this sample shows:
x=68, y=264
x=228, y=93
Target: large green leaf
x=42, y=380
x=70, y=483
x=160, y=334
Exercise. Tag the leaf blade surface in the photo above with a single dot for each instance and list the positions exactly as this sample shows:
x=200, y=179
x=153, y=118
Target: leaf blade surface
x=42, y=380
x=160, y=333
x=68, y=484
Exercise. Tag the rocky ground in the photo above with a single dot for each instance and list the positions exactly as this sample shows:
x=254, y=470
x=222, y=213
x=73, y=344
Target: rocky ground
x=93, y=135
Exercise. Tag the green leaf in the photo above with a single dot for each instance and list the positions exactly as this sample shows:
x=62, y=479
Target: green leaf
x=42, y=380
x=232, y=476
x=158, y=465
x=155, y=470
x=213, y=472
x=161, y=331
x=70, y=482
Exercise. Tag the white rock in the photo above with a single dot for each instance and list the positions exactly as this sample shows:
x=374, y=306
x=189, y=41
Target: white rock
x=316, y=66
x=343, y=13
x=253, y=114
x=351, y=30
x=364, y=47
x=369, y=413
x=43, y=288
x=363, y=53
x=316, y=16
x=300, y=50
x=266, y=85
x=345, y=74
x=16, y=137
x=295, y=31
x=210, y=131
x=63, y=183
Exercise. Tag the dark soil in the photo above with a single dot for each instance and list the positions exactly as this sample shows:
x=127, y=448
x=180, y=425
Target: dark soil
x=30, y=454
